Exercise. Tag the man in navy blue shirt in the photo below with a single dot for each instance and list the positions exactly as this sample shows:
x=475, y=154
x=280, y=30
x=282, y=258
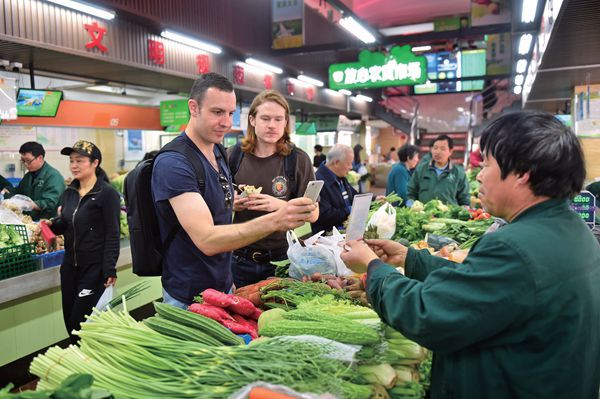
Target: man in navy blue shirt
x=200, y=255
x=336, y=196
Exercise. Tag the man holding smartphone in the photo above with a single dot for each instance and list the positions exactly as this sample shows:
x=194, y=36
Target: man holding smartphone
x=264, y=160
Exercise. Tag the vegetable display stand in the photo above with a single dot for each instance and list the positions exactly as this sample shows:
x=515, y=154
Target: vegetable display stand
x=18, y=258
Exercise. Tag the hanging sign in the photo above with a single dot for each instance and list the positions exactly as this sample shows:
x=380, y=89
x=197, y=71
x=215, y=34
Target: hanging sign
x=400, y=67
x=585, y=205
x=174, y=112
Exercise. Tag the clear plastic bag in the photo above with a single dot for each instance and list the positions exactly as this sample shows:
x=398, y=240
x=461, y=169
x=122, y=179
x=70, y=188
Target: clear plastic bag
x=307, y=260
x=384, y=219
x=9, y=217
x=20, y=202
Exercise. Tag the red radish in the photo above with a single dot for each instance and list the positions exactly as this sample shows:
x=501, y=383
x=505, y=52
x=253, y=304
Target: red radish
x=241, y=305
x=256, y=314
x=210, y=311
x=239, y=328
x=216, y=298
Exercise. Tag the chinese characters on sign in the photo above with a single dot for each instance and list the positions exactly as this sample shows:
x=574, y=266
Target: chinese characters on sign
x=202, y=63
x=238, y=75
x=156, y=52
x=268, y=80
x=310, y=93
x=97, y=34
x=399, y=67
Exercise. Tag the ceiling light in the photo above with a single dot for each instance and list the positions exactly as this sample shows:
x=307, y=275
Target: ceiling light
x=528, y=11
x=263, y=65
x=168, y=34
x=460, y=109
x=517, y=90
x=85, y=8
x=421, y=48
x=345, y=92
x=309, y=80
x=519, y=79
x=521, y=65
x=407, y=29
x=354, y=27
x=525, y=43
x=363, y=98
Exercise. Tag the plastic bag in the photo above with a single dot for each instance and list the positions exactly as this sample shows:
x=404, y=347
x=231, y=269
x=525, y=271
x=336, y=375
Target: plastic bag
x=332, y=244
x=305, y=261
x=384, y=219
x=9, y=217
x=19, y=202
x=106, y=297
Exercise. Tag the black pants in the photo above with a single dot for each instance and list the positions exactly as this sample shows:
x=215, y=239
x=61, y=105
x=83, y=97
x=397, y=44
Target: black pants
x=81, y=288
x=246, y=272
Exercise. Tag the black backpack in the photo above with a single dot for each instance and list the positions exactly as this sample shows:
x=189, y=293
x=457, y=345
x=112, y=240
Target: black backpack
x=289, y=165
x=147, y=248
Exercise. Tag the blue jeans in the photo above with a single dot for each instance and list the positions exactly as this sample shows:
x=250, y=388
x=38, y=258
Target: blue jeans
x=246, y=272
x=169, y=300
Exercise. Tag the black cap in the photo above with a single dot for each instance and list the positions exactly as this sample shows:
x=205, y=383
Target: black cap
x=85, y=148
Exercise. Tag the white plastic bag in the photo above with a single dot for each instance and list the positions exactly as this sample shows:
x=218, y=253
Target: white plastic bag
x=305, y=261
x=333, y=244
x=106, y=297
x=384, y=219
x=20, y=202
x=9, y=217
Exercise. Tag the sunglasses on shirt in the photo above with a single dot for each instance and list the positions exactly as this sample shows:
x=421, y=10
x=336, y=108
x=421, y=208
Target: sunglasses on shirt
x=225, y=186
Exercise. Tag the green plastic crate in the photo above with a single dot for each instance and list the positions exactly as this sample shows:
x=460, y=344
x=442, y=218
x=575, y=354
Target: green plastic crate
x=18, y=259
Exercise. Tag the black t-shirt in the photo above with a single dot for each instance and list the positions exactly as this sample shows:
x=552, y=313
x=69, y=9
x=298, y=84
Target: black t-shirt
x=318, y=160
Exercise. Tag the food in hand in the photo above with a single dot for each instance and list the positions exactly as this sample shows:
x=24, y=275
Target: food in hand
x=249, y=190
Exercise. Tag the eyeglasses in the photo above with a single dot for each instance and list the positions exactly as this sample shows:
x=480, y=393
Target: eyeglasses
x=225, y=186
x=27, y=161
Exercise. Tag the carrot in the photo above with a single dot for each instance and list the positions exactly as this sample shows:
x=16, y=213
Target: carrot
x=265, y=393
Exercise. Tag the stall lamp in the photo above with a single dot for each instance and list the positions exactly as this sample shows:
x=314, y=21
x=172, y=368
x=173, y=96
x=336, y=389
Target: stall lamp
x=528, y=11
x=519, y=79
x=309, y=80
x=263, y=65
x=86, y=8
x=168, y=34
x=354, y=27
x=363, y=98
x=521, y=65
x=421, y=48
x=517, y=90
x=525, y=43
x=345, y=92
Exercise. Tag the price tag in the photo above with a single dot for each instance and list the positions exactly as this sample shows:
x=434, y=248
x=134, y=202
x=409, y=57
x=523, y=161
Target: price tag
x=585, y=205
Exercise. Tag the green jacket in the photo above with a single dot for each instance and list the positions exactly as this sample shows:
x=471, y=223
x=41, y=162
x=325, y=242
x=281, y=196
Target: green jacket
x=520, y=318
x=451, y=187
x=44, y=190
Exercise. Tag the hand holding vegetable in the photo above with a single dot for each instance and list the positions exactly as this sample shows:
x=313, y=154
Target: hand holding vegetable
x=390, y=252
x=110, y=281
x=357, y=255
x=264, y=202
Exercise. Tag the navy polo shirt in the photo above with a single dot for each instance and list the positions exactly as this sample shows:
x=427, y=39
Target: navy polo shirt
x=187, y=271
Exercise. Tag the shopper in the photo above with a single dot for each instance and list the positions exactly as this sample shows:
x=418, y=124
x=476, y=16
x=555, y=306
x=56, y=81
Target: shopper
x=359, y=167
x=199, y=256
x=266, y=148
x=42, y=183
x=336, y=196
x=319, y=157
x=520, y=317
x=89, y=219
x=399, y=176
x=440, y=179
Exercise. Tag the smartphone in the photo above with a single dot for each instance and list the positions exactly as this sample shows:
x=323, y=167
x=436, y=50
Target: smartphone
x=313, y=189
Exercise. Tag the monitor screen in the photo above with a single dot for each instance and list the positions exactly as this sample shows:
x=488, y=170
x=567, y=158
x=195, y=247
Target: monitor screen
x=32, y=102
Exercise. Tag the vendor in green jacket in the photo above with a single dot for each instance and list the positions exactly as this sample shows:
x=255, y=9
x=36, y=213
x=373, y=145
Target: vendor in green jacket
x=440, y=179
x=520, y=318
x=42, y=183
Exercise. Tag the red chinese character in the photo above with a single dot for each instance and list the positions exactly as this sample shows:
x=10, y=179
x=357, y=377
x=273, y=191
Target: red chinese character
x=310, y=93
x=156, y=52
x=290, y=88
x=203, y=63
x=97, y=34
x=268, y=82
x=238, y=75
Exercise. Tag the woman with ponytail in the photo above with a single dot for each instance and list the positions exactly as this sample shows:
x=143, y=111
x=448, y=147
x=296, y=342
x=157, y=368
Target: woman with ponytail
x=89, y=219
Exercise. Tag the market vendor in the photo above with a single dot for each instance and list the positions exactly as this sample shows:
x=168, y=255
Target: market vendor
x=520, y=318
x=42, y=183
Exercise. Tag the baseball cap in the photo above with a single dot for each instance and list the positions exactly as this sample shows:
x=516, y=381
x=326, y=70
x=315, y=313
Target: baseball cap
x=85, y=148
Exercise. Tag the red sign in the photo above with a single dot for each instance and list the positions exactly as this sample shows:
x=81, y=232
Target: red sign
x=310, y=93
x=203, y=63
x=268, y=82
x=290, y=88
x=238, y=75
x=97, y=34
x=156, y=52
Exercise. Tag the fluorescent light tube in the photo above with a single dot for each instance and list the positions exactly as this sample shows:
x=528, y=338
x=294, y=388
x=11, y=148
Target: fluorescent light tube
x=352, y=26
x=264, y=65
x=517, y=90
x=421, y=48
x=363, y=98
x=309, y=80
x=345, y=92
x=168, y=34
x=525, y=43
x=528, y=11
x=85, y=8
x=519, y=79
x=407, y=29
x=521, y=65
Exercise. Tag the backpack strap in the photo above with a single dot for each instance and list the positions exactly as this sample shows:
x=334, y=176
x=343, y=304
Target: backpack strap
x=235, y=159
x=289, y=166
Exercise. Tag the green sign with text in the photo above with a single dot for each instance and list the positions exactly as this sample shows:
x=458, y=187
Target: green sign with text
x=174, y=112
x=400, y=67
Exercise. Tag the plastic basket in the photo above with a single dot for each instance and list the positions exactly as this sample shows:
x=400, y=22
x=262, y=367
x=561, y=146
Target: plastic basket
x=17, y=259
x=50, y=259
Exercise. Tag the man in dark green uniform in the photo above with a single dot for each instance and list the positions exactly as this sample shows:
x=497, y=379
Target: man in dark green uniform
x=42, y=183
x=520, y=318
x=440, y=178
